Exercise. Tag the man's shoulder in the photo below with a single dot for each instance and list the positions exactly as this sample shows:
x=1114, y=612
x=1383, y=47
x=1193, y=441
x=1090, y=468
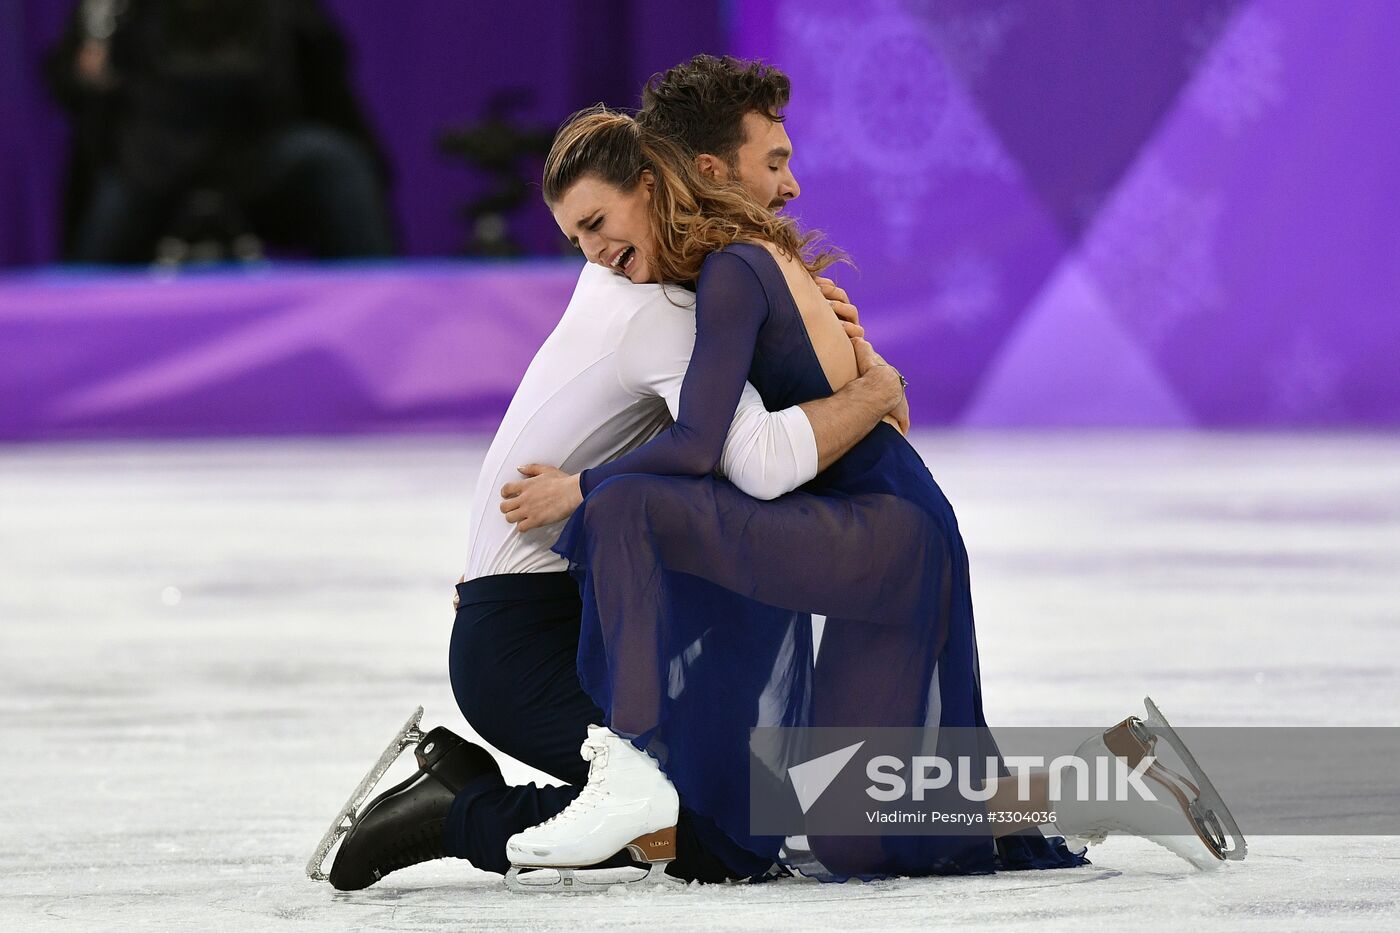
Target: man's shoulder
x=664, y=317
x=661, y=317
x=607, y=291
x=657, y=341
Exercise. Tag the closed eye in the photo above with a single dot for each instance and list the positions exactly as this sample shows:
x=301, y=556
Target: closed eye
x=591, y=226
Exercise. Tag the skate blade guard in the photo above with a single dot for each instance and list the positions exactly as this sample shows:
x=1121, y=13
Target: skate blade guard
x=410, y=734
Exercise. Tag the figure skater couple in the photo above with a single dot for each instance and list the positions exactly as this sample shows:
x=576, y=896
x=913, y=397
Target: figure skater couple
x=704, y=453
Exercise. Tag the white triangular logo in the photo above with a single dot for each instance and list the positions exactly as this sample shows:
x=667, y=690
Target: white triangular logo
x=811, y=778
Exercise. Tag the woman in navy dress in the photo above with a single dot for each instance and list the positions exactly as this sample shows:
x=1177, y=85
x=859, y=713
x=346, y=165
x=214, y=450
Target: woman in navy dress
x=696, y=622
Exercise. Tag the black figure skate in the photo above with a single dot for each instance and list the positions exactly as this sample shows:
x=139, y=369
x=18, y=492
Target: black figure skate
x=404, y=825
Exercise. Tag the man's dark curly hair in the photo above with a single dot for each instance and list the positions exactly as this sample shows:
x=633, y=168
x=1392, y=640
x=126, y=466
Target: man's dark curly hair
x=701, y=104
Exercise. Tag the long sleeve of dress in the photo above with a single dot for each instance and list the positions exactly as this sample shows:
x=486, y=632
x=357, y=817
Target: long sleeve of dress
x=730, y=307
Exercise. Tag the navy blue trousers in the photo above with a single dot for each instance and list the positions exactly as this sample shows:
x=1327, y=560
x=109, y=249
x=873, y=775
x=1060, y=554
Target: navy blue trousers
x=513, y=662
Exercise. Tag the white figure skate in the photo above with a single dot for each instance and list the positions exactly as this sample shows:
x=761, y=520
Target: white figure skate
x=627, y=804
x=1188, y=817
x=345, y=820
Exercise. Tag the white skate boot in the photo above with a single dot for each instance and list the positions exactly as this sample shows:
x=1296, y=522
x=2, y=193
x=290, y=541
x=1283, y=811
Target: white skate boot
x=1188, y=817
x=627, y=804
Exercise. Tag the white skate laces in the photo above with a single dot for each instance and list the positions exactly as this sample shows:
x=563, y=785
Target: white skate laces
x=596, y=754
x=626, y=804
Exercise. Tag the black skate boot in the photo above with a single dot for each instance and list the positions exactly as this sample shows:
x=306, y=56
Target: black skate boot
x=403, y=826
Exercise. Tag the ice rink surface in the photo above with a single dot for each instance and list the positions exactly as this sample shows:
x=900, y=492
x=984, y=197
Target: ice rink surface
x=205, y=646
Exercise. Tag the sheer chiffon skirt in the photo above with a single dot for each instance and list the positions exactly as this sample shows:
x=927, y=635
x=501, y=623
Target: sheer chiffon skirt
x=697, y=628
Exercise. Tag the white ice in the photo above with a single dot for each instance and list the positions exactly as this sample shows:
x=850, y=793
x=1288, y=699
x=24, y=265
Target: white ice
x=206, y=645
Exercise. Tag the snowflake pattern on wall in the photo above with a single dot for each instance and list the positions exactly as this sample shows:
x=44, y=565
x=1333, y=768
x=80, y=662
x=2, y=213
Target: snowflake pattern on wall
x=967, y=291
x=1153, y=249
x=886, y=104
x=1240, y=75
x=967, y=40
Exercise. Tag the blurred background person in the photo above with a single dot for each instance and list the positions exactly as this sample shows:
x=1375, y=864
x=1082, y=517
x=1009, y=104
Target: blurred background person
x=222, y=121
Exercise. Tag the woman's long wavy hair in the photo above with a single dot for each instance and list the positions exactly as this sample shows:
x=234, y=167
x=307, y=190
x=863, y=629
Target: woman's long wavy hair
x=692, y=216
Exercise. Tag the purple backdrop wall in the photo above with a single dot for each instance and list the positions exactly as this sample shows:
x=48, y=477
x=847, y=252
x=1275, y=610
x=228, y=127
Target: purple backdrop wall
x=1075, y=212
x=1063, y=212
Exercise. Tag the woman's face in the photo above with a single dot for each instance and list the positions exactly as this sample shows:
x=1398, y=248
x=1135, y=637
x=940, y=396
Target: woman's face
x=611, y=226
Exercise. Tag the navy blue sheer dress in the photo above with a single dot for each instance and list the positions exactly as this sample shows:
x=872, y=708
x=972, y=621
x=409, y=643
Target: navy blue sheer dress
x=697, y=598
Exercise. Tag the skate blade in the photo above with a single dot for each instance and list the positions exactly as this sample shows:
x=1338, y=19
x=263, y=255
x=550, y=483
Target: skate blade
x=658, y=846
x=584, y=880
x=345, y=820
x=1213, y=819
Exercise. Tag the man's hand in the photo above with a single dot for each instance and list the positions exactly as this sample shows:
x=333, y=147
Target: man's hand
x=457, y=597
x=546, y=496
x=900, y=416
x=841, y=420
x=872, y=367
x=841, y=305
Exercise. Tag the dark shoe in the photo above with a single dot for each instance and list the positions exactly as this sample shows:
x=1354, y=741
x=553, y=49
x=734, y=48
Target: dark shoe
x=404, y=825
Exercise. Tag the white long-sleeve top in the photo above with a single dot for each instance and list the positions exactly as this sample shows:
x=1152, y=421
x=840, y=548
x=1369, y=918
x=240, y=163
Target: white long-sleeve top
x=605, y=381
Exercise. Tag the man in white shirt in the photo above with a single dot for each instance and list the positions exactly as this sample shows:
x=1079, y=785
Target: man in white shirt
x=605, y=381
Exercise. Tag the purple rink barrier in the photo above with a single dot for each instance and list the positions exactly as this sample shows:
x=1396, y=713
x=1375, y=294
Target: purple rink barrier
x=441, y=346
x=325, y=350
